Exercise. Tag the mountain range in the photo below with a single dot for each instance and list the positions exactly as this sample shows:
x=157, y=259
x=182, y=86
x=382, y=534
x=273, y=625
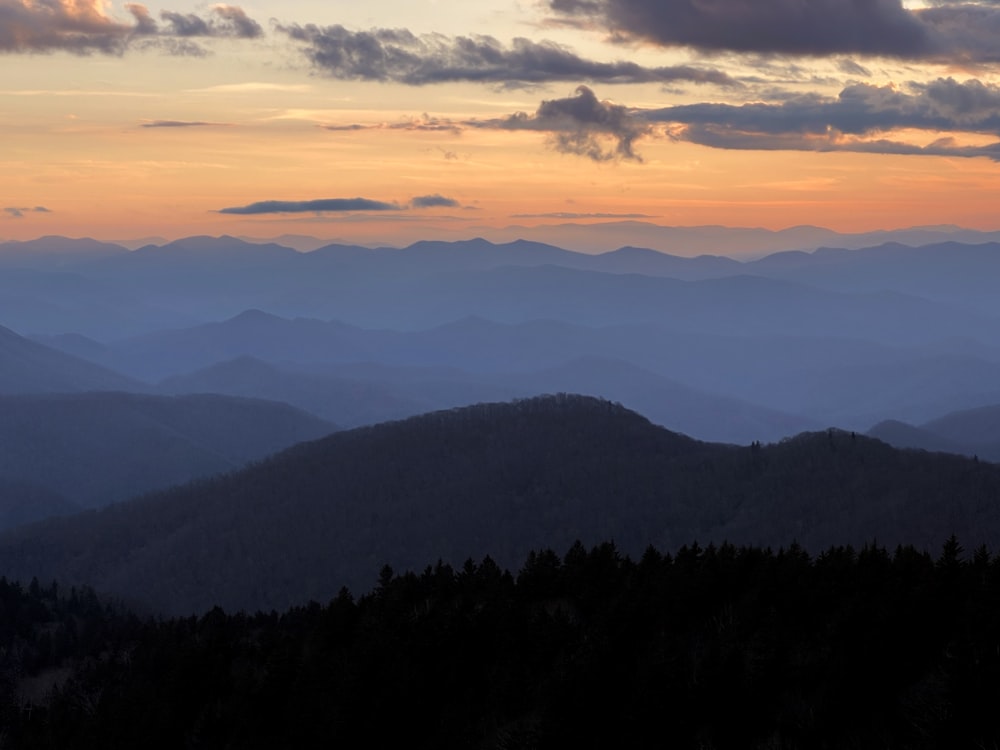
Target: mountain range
x=497, y=479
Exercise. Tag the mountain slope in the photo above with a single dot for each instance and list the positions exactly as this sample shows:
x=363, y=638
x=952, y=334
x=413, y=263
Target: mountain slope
x=98, y=448
x=353, y=395
x=498, y=479
x=29, y=367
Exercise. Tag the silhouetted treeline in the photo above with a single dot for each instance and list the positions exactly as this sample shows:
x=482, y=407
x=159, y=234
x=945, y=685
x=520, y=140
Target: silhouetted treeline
x=717, y=647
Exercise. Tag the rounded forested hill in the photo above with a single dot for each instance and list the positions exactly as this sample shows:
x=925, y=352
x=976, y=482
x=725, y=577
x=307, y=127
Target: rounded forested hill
x=498, y=480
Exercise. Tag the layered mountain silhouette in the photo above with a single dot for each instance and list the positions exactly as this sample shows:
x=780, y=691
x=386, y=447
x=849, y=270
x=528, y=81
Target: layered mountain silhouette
x=497, y=479
x=972, y=432
x=354, y=395
x=29, y=367
x=209, y=279
x=93, y=449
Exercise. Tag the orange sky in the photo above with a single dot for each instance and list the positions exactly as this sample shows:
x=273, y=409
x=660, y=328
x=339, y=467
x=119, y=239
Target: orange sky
x=116, y=134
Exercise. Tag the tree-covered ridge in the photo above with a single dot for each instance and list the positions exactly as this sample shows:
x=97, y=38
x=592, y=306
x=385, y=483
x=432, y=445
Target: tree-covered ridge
x=716, y=647
x=498, y=480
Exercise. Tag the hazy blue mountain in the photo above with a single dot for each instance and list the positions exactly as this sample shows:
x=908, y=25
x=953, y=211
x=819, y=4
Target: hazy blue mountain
x=56, y=302
x=367, y=393
x=960, y=274
x=23, y=502
x=856, y=395
x=739, y=305
x=903, y=435
x=979, y=429
x=348, y=401
x=825, y=380
x=30, y=367
x=252, y=333
x=501, y=480
x=52, y=252
x=971, y=432
x=98, y=448
x=429, y=283
x=746, y=242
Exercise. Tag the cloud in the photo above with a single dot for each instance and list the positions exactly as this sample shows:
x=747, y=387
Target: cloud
x=861, y=109
x=337, y=205
x=721, y=137
x=433, y=201
x=946, y=31
x=78, y=26
x=579, y=124
x=224, y=21
x=424, y=123
x=400, y=56
x=19, y=211
x=323, y=205
x=856, y=120
x=573, y=215
x=176, y=124
x=84, y=27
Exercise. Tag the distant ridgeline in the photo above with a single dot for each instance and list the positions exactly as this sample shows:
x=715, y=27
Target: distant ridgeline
x=718, y=646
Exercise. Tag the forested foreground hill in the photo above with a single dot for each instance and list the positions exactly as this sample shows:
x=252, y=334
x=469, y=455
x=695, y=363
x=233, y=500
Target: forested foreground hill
x=717, y=647
x=498, y=480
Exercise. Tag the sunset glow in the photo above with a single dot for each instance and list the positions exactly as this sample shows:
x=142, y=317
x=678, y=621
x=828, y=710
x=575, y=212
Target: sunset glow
x=122, y=121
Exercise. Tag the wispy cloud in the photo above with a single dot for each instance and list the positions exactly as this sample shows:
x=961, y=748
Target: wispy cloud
x=575, y=215
x=424, y=123
x=18, y=212
x=181, y=124
x=253, y=87
x=433, y=201
x=400, y=56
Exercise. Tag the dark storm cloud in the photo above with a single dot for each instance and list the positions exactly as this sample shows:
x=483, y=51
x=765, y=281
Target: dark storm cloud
x=18, y=212
x=860, y=109
x=83, y=27
x=399, y=56
x=433, y=201
x=323, y=205
x=579, y=124
x=949, y=31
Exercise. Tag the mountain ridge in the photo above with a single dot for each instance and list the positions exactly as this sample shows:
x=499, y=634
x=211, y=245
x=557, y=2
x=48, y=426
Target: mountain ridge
x=497, y=479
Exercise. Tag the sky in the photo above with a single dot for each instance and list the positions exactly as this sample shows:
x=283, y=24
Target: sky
x=388, y=121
